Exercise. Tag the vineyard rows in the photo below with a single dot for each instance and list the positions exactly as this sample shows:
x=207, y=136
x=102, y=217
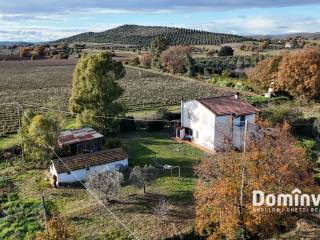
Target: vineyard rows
x=9, y=119
x=38, y=84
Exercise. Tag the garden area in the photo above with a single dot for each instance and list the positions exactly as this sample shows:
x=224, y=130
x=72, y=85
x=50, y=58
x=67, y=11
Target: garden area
x=25, y=185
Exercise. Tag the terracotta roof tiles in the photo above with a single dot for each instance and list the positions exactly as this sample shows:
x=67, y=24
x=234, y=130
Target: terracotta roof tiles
x=90, y=159
x=228, y=105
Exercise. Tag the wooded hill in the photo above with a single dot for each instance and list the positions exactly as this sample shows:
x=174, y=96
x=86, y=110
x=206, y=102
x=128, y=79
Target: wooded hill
x=143, y=35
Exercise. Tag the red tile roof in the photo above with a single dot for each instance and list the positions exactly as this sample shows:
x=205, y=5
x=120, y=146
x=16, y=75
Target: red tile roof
x=89, y=160
x=228, y=105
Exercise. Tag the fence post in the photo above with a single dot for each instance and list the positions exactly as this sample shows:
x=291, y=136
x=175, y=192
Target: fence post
x=20, y=125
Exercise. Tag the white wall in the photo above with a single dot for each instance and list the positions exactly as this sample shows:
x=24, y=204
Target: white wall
x=83, y=173
x=214, y=132
x=201, y=120
x=223, y=132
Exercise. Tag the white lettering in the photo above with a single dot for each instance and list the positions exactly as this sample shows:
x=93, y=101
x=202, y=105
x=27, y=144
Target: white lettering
x=258, y=198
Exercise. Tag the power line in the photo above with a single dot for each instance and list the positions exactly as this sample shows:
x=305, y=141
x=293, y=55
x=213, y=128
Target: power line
x=140, y=119
x=81, y=182
x=100, y=116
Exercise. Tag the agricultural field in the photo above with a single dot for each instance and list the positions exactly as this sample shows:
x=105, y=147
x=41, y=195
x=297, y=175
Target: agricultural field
x=229, y=63
x=134, y=208
x=145, y=89
x=37, y=82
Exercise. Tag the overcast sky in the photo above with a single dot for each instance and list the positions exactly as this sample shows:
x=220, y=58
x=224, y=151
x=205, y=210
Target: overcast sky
x=42, y=20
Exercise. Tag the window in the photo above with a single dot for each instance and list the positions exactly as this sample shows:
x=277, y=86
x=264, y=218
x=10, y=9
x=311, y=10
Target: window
x=242, y=120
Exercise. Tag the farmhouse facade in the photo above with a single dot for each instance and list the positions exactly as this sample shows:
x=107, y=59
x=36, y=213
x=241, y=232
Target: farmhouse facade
x=215, y=122
x=75, y=168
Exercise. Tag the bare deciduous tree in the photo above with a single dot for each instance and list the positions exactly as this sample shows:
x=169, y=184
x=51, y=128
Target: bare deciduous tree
x=106, y=184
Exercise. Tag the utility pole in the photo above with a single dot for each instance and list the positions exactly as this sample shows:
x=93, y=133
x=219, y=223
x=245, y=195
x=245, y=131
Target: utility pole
x=243, y=170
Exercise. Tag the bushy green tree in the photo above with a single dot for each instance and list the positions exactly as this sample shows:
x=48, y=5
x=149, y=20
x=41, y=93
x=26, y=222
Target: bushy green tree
x=95, y=91
x=37, y=132
x=158, y=45
x=226, y=51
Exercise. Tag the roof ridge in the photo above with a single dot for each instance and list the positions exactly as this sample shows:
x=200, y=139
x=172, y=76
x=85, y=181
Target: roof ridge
x=222, y=96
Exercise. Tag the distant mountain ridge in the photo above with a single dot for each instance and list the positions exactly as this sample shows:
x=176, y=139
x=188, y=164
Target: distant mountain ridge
x=9, y=43
x=143, y=35
x=305, y=35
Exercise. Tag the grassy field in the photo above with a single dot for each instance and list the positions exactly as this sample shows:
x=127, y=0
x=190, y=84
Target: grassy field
x=9, y=141
x=135, y=209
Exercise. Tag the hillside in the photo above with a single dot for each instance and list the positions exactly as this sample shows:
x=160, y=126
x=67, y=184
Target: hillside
x=143, y=35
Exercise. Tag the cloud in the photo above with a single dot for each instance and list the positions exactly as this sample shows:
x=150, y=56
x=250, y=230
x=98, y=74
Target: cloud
x=60, y=6
x=42, y=20
x=261, y=25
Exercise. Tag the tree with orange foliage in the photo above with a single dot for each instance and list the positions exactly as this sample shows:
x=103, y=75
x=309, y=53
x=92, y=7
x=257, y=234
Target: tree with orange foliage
x=264, y=73
x=299, y=73
x=273, y=163
x=264, y=44
x=175, y=58
x=25, y=52
x=145, y=60
x=57, y=229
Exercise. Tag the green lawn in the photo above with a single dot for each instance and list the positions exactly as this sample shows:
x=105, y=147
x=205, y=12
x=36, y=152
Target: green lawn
x=135, y=209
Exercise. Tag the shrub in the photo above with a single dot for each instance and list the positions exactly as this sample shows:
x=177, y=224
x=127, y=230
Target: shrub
x=118, y=235
x=113, y=143
x=309, y=145
x=145, y=60
x=226, y=51
x=127, y=125
x=140, y=177
x=304, y=127
x=155, y=125
x=134, y=62
x=106, y=185
x=280, y=114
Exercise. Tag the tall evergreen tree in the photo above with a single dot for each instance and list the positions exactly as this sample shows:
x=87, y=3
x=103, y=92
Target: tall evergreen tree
x=95, y=91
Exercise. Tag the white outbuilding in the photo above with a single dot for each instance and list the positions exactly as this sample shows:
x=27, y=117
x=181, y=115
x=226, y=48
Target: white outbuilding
x=215, y=122
x=78, y=167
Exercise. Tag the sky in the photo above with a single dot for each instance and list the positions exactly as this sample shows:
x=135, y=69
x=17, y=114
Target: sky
x=46, y=20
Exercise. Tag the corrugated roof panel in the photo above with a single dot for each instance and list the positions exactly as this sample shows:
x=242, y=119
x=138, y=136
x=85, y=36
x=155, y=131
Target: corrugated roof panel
x=78, y=135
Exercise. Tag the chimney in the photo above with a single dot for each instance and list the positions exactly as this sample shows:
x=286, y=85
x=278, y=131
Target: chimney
x=236, y=95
